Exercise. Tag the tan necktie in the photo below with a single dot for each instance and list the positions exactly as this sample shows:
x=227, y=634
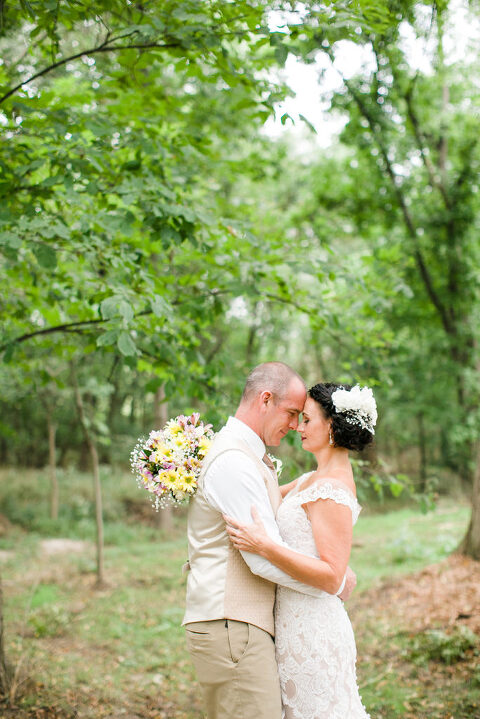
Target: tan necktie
x=269, y=464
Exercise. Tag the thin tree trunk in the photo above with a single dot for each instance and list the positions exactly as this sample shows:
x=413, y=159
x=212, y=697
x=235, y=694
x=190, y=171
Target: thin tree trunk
x=252, y=336
x=423, y=453
x=5, y=671
x=96, y=483
x=160, y=417
x=52, y=467
x=470, y=545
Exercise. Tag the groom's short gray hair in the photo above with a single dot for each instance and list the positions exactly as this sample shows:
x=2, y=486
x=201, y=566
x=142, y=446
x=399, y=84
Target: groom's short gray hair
x=275, y=377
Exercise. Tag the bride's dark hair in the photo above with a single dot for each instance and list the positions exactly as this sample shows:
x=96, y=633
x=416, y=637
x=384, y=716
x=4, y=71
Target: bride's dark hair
x=344, y=434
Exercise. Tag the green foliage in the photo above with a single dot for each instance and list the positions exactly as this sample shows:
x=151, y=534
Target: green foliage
x=50, y=621
x=154, y=240
x=437, y=645
x=107, y=204
x=409, y=540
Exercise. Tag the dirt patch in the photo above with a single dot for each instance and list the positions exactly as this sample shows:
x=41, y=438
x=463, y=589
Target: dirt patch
x=393, y=623
x=441, y=595
x=139, y=510
x=64, y=546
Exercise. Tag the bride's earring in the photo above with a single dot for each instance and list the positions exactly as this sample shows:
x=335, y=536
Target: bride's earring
x=330, y=437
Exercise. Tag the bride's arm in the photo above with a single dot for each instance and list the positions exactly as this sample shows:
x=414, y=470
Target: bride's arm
x=332, y=531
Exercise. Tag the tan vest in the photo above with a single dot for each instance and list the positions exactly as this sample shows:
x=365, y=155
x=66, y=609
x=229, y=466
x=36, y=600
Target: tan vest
x=220, y=585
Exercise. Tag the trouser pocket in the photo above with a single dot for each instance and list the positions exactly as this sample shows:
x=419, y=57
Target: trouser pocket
x=238, y=637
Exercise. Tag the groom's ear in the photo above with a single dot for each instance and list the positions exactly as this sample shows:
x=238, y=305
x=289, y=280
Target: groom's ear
x=266, y=396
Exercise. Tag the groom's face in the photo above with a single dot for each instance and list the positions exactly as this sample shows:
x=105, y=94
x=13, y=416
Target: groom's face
x=281, y=415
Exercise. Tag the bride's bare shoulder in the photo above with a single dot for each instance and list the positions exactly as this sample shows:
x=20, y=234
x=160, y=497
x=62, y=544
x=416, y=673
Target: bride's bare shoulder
x=339, y=478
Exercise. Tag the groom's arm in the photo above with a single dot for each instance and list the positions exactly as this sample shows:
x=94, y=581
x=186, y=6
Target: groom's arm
x=232, y=484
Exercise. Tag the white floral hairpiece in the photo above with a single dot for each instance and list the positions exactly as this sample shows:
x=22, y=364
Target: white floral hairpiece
x=358, y=404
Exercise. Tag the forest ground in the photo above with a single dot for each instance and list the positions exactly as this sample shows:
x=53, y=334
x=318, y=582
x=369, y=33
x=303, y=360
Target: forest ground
x=118, y=652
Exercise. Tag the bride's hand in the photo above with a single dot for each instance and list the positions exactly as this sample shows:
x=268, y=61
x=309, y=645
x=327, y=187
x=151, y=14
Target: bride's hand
x=248, y=537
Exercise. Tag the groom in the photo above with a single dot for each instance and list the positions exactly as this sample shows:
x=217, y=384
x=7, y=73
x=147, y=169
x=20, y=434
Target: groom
x=230, y=595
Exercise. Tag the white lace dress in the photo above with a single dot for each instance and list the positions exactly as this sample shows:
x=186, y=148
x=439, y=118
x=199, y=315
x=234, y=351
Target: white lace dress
x=314, y=640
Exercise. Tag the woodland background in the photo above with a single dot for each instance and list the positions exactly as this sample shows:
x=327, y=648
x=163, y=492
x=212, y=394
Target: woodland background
x=158, y=240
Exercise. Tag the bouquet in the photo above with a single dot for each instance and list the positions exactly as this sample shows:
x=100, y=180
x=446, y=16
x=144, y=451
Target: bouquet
x=168, y=462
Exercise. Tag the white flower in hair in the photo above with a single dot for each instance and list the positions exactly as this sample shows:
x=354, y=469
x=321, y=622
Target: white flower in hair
x=358, y=404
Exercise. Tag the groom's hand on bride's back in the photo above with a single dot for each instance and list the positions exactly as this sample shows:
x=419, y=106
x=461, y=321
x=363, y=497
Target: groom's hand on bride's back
x=350, y=583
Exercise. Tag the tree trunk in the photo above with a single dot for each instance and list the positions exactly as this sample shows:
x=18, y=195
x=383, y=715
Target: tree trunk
x=52, y=467
x=423, y=454
x=470, y=544
x=97, y=486
x=252, y=336
x=160, y=417
x=5, y=671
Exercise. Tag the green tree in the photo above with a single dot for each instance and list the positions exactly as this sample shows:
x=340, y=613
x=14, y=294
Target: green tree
x=407, y=197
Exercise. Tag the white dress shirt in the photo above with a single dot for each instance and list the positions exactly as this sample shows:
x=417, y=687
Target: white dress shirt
x=232, y=484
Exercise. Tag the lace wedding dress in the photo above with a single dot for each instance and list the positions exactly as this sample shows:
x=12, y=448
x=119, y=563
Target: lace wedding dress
x=314, y=640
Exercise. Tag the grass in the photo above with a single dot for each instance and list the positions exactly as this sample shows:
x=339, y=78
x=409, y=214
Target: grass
x=119, y=652
x=403, y=541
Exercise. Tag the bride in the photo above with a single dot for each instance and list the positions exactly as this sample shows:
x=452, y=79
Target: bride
x=314, y=641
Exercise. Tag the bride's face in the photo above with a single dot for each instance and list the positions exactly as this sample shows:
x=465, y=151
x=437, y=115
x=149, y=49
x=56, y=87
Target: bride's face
x=314, y=428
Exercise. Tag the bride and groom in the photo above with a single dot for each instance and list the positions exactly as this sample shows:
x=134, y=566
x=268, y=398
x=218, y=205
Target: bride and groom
x=285, y=574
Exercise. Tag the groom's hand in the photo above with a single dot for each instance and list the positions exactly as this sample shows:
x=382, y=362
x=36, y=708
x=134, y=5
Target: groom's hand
x=350, y=582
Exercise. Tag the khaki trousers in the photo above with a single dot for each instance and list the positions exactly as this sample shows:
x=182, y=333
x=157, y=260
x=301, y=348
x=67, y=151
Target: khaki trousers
x=236, y=668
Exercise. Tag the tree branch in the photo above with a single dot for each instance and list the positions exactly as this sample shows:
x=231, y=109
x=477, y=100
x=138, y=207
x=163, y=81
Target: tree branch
x=440, y=186
x=106, y=46
x=83, y=326
x=448, y=325
x=285, y=301
x=69, y=327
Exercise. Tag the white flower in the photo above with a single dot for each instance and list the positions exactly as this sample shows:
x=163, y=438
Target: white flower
x=358, y=404
x=277, y=463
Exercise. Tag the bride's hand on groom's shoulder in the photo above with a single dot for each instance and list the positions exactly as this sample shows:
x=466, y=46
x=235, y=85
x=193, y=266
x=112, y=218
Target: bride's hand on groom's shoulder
x=247, y=537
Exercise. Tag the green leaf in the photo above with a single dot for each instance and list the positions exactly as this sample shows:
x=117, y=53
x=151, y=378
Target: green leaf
x=396, y=488
x=46, y=256
x=107, y=338
x=308, y=123
x=126, y=345
x=116, y=307
x=10, y=239
x=28, y=8
x=125, y=310
x=8, y=353
x=153, y=384
x=160, y=307
x=281, y=54
x=109, y=307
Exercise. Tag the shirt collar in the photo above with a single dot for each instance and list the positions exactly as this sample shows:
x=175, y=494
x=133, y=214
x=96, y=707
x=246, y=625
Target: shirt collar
x=246, y=433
